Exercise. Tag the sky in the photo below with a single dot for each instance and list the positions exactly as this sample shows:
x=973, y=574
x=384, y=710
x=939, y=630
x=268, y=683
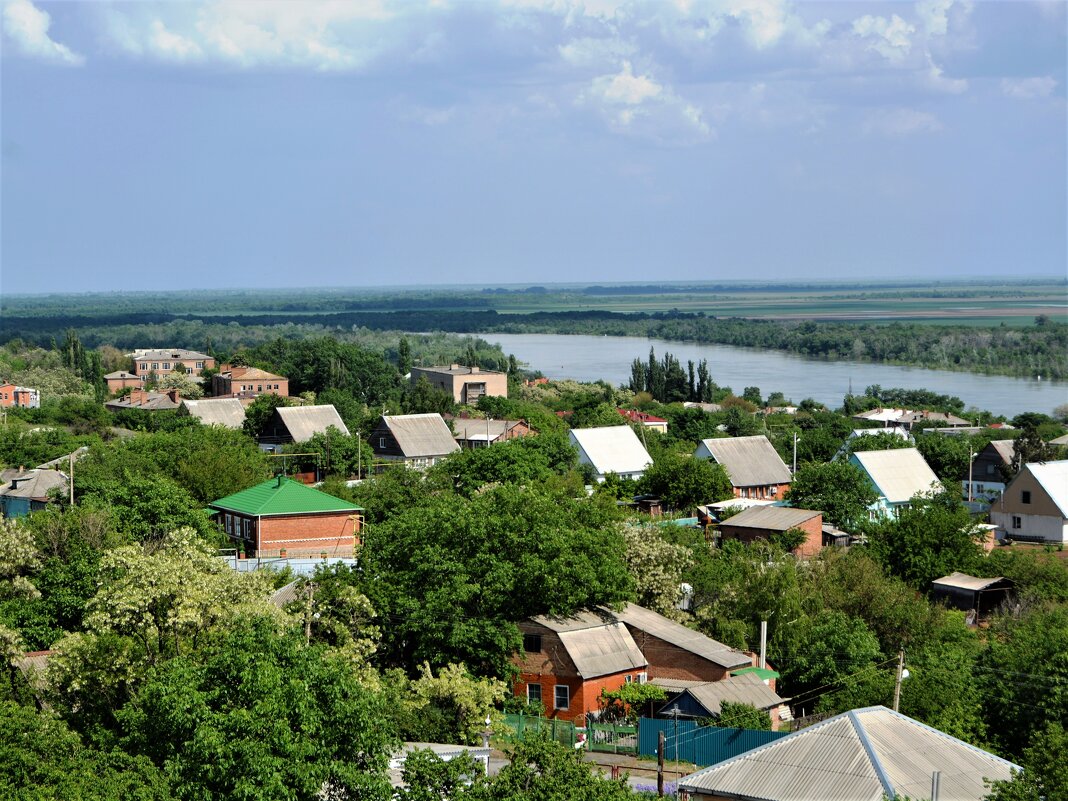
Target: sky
x=186, y=145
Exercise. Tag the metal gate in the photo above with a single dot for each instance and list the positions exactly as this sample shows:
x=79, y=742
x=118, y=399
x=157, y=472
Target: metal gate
x=613, y=739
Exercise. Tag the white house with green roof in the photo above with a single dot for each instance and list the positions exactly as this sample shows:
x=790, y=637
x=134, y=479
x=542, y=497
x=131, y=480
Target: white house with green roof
x=282, y=517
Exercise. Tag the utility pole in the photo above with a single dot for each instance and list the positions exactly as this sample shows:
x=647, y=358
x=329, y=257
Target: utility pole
x=72, y=478
x=310, y=590
x=763, y=644
x=971, y=462
x=795, y=452
x=660, y=764
x=897, y=681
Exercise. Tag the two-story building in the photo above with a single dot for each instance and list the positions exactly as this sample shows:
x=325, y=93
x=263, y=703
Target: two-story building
x=21, y=397
x=753, y=465
x=985, y=479
x=247, y=382
x=466, y=384
x=159, y=362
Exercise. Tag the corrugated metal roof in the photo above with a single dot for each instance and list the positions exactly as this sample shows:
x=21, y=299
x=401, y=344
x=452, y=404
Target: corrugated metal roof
x=747, y=688
x=612, y=449
x=304, y=422
x=173, y=353
x=965, y=582
x=421, y=435
x=776, y=518
x=898, y=474
x=226, y=412
x=471, y=428
x=151, y=401
x=1005, y=449
x=749, y=461
x=34, y=484
x=287, y=594
x=597, y=643
x=1061, y=440
x=678, y=635
x=861, y=755
x=1053, y=476
x=253, y=374
x=282, y=496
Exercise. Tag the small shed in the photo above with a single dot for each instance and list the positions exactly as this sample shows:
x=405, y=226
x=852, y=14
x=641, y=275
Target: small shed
x=979, y=596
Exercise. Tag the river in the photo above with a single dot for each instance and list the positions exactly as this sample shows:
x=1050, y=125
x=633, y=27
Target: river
x=593, y=358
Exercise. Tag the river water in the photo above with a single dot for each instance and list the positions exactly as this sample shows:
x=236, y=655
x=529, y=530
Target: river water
x=592, y=358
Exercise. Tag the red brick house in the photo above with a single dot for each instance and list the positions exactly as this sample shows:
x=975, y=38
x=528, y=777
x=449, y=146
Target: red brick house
x=753, y=465
x=762, y=522
x=25, y=397
x=567, y=662
x=282, y=517
x=247, y=382
x=674, y=651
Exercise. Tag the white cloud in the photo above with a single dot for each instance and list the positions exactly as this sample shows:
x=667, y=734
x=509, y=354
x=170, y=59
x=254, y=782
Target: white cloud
x=935, y=78
x=934, y=15
x=588, y=51
x=27, y=26
x=1029, y=88
x=891, y=38
x=640, y=105
x=901, y=122
x=171, y=45
x=625, y=87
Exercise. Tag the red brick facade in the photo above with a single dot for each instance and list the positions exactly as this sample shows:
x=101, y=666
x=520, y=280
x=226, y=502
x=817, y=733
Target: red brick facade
x=763, y=492
x=335, y=533
x=813, y=528
x=667, y=661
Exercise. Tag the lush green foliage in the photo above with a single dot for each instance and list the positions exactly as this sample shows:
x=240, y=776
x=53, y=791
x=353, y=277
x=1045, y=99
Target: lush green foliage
x=841, y=490
x=683, y=482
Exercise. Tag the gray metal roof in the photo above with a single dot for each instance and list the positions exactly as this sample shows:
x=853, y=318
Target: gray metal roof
x=749, y=461
x=963, y=581
x=1005, y=449
x=287, y=594
x=863, y=755
x=776, y=518
x=226, y=412
x=898, y=474
x=303, y=422
x=468, y=428
x=421, y=435
x=153, y=401
x=164, y=355
x=34, y=484
x=1053, y=476
x=612, y=449
x=678, y=635
x=597, y=643
x=748, y=688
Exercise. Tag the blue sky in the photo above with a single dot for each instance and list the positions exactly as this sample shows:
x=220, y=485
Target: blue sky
x=367, y=143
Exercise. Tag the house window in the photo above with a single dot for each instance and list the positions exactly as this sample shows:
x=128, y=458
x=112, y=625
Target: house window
x=1025, y=496
x=200, y=365
x=532, y=642
x=533, y=693
x=155, y=365
x=144, y=365
x=381, y=442
x=229, y=522
x=1017, y=522
x=246, y=526
x=561, y=696
x=166, y=365
x=990, y=469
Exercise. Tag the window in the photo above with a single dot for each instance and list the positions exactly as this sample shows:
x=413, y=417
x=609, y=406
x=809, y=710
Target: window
x=628, y=679
x=1025, y=496
x=532, y=642
x=200, y=365
x=990, y=469
x=166, y=365
x=246, y=526
x=561, y=696
x=533, y=693
x=1017, y=522
x=229, y=522
x=144, y=365
x=381, y=442
x=155, y=365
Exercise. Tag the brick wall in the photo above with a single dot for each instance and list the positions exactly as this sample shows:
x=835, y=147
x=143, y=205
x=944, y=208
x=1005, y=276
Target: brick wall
x=308, y=535
x=667, y=661
x=767, y=492
x=584, y=695
x=813, y=528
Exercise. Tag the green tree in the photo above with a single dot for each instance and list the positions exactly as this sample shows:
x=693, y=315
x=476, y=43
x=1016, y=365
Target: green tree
x=683, y=482
x=1045, y=773
x=455, y=575
x=630, y=701
x=930, y=538
x=656, y=566
x=424, y=398
x=450, y=707
x=258, y=715
x=826, y=648
x=839, y=489
x=41, y=759
x=743, y=716
x=404, y=356
x=183, y=383
x=259, y=413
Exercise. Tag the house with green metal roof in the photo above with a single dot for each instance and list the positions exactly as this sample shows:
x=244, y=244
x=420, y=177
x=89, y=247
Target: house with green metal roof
x=282, y=517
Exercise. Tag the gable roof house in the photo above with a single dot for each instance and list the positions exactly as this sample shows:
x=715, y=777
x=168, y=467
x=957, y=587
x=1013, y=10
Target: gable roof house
x=567, y=662
x=24, y=491
x=225, y=412
x=611, y=449
x=473, y=433
x=247, y=382
x=143, y=399
x=863, y=755
x=898, y=476
x=762, y=522
x=753, y=465
x=1034, y=506
x=985, y=479
x=418, y=440
x=301, y=423
x=704, y=699
x=23, y=397
x=120, y=379
x=282, y=517
x=645, y=419
x=677, y=652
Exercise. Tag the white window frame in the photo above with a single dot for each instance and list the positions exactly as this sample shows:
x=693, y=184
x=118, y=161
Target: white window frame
x=531, y=699
x=556, y=696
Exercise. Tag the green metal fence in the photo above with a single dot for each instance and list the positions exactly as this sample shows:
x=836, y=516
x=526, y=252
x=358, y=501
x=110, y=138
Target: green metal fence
x=613, y=739
x=560, y=730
